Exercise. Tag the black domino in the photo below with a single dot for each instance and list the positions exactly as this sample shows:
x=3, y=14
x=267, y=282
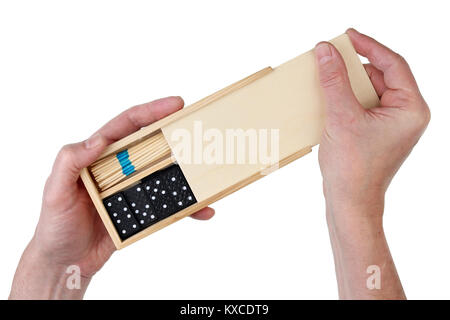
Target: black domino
x=140, y=204
x=179, y=189
x=159, y=194
x=121, y=215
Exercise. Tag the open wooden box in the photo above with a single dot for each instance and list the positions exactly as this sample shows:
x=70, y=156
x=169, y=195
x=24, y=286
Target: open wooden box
x=286, y=98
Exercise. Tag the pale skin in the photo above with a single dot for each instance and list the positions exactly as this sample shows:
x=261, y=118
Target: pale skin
x=69, y=231
x=360, y=152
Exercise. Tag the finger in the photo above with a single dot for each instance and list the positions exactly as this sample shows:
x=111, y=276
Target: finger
x=140, y=116
x=397, y=74
x=377, y=79
x=204, y=214
x=333, y=78
x=74, y=157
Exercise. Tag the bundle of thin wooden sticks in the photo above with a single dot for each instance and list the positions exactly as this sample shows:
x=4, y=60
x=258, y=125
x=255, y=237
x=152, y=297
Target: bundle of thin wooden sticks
x=111, y=170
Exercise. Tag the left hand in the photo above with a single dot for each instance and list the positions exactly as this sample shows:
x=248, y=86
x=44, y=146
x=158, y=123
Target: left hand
x=70, y=231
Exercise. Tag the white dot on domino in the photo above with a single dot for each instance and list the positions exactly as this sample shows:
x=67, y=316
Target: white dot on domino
x=173, y=179
x=119, y=199
x=133, y=204
x=147, y=206
x=124, y=231
x=184, y=188
x=138, y=189
x=109, y=204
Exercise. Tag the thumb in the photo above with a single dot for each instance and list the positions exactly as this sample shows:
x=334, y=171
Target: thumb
x=333, y=78
x=74, y=157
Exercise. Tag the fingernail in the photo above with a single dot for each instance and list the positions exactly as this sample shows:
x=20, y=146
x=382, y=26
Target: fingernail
x=323, y=52
x=94, y=141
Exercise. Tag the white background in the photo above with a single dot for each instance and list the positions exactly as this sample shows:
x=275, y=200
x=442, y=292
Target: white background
x=66, y=67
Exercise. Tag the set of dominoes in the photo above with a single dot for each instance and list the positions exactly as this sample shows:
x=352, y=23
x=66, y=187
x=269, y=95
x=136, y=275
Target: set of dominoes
x=156, y=197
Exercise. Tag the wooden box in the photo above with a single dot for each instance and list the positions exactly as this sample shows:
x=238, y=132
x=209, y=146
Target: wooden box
x=286, y=99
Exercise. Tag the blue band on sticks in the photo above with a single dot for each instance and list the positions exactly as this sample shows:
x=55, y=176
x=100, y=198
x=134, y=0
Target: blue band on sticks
x=125, y=163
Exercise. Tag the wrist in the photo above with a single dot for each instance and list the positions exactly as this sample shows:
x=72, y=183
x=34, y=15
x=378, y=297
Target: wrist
x=351, y=216
x=38, y=277
x=353, y=231
x=355, y=202
x=349, y=194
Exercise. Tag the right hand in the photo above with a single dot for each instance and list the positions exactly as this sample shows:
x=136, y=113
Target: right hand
x=361, y=150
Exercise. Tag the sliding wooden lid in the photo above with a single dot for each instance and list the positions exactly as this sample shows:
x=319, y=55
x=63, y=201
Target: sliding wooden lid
x=288, y=99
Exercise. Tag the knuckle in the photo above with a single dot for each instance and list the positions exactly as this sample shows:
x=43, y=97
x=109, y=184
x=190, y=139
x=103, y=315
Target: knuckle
x=50, y=198
x=65, y=155
x=400, y=60
x=133, y=118
x=421, y=117
x=55, y=199
x=428, y=115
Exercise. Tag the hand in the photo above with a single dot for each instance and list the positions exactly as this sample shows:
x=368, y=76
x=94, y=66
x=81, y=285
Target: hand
x=360, y=152
x=70, y=231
